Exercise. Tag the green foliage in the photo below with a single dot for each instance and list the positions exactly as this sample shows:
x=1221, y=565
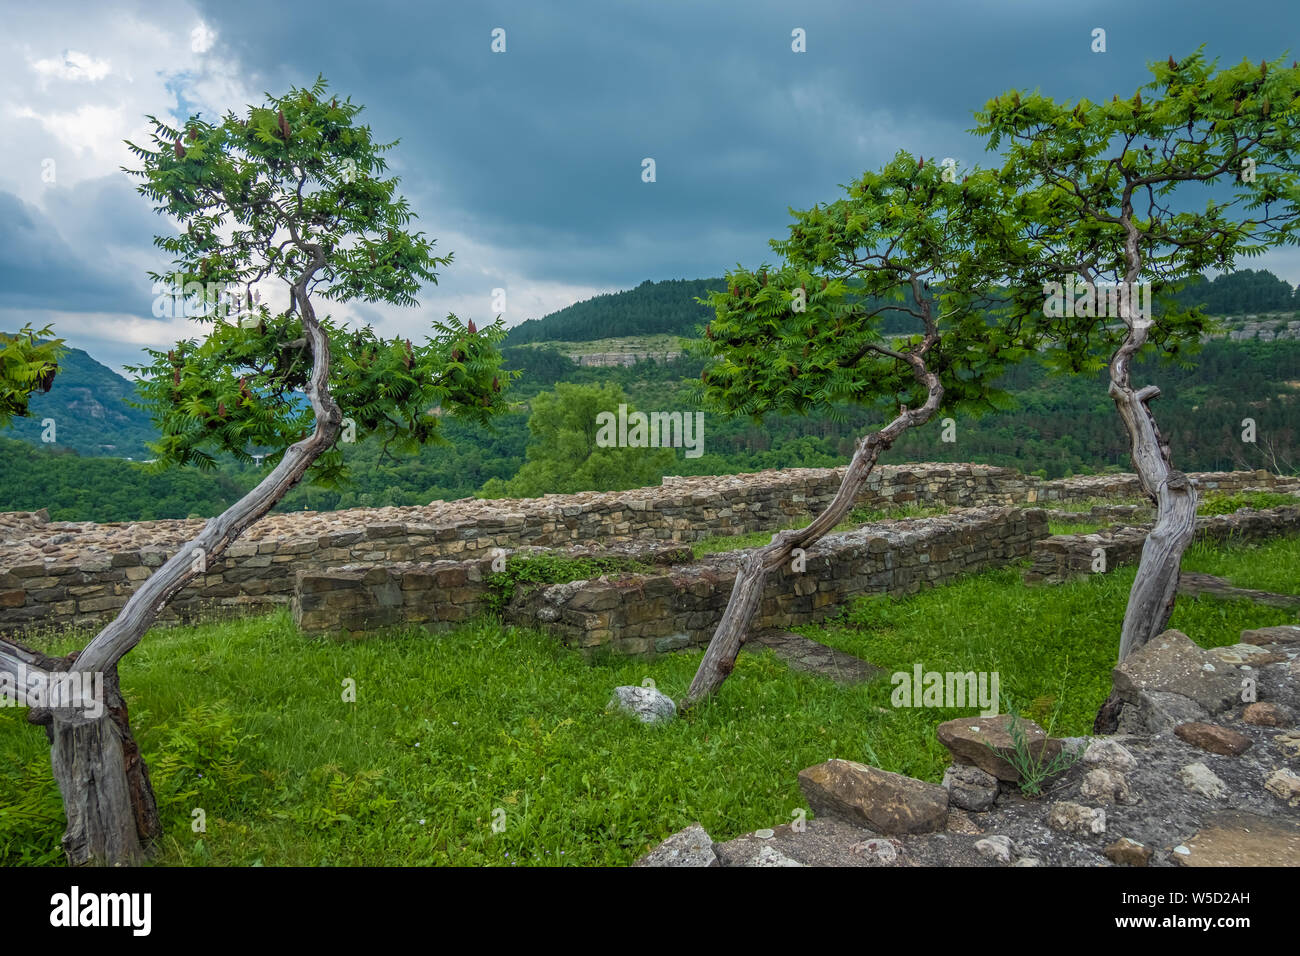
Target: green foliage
x=1031, y=765
x=649, y=309
x=541, y=367
x=295, y=191
x=564, y=455
x=231, y=402
x=547, y=569
x=200, y=759
x=352, y=799
x=29, y=362
x=90, y=405
x=910, y=239
x=1238, y=293
x=73, y=488
x=1106, y=187
x=31, y=811
x=1222, y=503
x=1059, y=426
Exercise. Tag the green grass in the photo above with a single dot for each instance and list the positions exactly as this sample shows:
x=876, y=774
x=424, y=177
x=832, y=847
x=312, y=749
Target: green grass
x=1265, y=566
x=541, y=570
x=1220, y=503
x=449, y=728
x=856, y=519
x=1054, y=646
x=1075, y=527
x=736, y=542
x=1087, y=504
x=1213, y=503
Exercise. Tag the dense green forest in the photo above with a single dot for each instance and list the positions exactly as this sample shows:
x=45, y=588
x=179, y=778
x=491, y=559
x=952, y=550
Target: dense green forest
x=1240, y=292
x=1056, y=426
x=669, y=307
x=649, y=309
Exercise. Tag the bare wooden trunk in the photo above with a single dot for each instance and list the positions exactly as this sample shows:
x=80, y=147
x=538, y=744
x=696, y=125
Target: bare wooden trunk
x=751, y=577
x=747, y=592
x=1151, y=598
x=109, y=803
x=1155, y=587
x=110, y=807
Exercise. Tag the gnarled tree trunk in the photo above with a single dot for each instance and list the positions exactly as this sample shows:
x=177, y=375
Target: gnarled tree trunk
x=751, y=576
x=111, y=811
x=104, y=782
x=1151, y=599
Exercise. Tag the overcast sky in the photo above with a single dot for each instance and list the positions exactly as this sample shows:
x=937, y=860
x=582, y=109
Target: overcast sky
x=527, y=164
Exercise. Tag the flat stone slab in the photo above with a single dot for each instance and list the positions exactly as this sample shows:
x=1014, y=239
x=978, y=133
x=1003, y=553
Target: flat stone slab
x=1243, y=839
x=888, y=803
x=1194, y=585
x=1214, y=739
x=1171, y=664
x=806, y=655
x=1281, y=634
x=987, y=742
x=691, y=847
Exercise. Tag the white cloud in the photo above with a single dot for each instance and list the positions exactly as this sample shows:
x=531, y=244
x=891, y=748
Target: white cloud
x=88, y=129
x=65, y=108
x=73, y=65
x=202, y=38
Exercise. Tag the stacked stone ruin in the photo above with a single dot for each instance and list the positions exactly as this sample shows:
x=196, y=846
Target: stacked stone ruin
x=356, y=570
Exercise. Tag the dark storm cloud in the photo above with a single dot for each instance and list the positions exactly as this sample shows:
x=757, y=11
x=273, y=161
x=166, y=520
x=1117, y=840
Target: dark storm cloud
x=39, y=269
x=533, y=157
x=537, y=151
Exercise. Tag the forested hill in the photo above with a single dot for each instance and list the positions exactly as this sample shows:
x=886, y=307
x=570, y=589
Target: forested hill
x=1246, y=291
x=652, y=308
x=88, y=405
x=669, y=307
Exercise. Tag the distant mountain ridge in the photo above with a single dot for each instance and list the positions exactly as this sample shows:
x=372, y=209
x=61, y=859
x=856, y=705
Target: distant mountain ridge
x=88, y=406
x=652, y=308
x=669, y=307
x=89, y=401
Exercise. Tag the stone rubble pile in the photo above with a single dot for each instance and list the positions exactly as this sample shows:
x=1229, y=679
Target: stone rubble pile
x=1198, y=776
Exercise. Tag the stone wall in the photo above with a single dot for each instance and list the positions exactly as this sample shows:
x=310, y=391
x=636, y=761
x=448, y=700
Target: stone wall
x=358, y=598
x=646, y=614
x=72, y=574
x=1065, y=556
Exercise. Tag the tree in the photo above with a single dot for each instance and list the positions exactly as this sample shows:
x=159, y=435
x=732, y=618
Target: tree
x=291, y=195
x=27, y=364
x=1110, y=203
x=908, y=245
x=566, y=453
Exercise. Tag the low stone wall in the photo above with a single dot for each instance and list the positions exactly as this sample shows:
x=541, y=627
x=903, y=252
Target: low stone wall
x=355, y=599
x=646, y=614
x=1066, y=556
x=55, y=575
x=1125, y=485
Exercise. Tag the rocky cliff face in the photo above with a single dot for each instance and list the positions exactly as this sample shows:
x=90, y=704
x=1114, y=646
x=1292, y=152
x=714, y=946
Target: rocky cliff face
x=1265, y=328
x=610, y=359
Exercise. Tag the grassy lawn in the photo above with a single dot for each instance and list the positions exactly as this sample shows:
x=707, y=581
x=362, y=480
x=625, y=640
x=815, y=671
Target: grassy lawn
x=1087, y=504
x=1265, y=567
x=1075, y=527
x=452, y=731
x=856, y=519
